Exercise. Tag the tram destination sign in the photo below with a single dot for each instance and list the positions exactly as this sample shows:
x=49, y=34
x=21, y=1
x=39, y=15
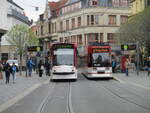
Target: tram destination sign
x=100, y=50
x=69, y=46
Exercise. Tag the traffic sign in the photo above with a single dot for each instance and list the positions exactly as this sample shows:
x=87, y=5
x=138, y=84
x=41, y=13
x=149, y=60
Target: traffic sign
x=34, y=48
x=126, y=47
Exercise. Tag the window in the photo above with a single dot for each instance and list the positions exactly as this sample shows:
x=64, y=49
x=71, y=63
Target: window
x=41, y=30
x=110, y=37
x=123, y=19
x=55, y=27
x=61, y=39
x=79, y=39
x=88, y=20
x=96, y=19
x=67, y=24
x=94, y=2
x=61, y=26
x=49, y=28
x=73, y=23
x=79, y=21
x=92, y=19
x=112, y=19
x=101, y=37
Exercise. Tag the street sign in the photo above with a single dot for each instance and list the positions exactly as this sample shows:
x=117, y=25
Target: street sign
x=34, y=48
x=126, y=47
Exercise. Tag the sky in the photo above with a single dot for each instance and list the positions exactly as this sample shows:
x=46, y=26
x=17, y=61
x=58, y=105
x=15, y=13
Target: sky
x=29, y=7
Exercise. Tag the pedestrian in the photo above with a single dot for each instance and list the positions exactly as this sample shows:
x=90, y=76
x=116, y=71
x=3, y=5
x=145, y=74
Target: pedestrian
x=14, y=69
x=7, y=69
x=127, y=67
x=113, y=64
x=1, y=74
x=148, y=66
x=30, y=65
x=47, y=68
x=41, y=68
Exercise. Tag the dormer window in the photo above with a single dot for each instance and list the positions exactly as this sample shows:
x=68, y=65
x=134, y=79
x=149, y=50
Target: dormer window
x=93, y=3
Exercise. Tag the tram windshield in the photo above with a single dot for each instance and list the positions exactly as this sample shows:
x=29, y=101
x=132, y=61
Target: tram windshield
x=63, y=57
x=100, y=60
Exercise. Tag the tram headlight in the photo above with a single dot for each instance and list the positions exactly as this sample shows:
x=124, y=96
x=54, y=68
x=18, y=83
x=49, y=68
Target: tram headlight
x=54, y=70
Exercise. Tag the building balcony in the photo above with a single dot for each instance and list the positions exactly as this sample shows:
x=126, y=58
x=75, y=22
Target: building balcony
x=17, y=15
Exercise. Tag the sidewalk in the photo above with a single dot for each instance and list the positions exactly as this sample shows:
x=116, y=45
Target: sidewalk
x=141, y=79
x=9, y=91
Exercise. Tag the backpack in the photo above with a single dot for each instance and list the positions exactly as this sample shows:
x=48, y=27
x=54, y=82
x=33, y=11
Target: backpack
x=14, y=69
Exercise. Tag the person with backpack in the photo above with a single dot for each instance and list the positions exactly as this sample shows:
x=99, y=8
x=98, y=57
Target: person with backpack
x=30, y=65
x=113, y=64
x=14, y=69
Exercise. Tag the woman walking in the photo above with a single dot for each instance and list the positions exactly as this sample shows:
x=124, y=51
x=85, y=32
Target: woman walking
x=127, y=66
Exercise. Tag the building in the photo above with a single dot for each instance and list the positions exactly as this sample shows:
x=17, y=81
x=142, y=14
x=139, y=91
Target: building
x=11, y=14
x=83, y=21
x=139, y=5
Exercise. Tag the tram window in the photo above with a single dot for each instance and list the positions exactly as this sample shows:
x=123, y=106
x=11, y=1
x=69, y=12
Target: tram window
x=100, y=59
x=63, y=57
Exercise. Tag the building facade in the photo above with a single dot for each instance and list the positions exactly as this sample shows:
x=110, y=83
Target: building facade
x=10, y=15
x=139, y=5
x=84, y=21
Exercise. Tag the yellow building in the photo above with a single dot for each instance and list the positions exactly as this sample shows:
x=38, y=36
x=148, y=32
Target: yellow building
x=139, y=5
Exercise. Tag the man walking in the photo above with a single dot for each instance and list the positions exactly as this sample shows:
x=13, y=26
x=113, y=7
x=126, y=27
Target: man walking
x=7, y=69
x=148, y=66
x=14, y=69
x=30, y=65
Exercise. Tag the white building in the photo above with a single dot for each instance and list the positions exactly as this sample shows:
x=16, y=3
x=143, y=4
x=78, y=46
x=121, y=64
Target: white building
x=11, y=14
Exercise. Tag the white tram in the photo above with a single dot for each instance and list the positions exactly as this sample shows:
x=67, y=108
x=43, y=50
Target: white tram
x=64, y=61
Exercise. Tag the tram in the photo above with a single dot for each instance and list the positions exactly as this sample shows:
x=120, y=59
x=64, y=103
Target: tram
x=98, y=59
x=64, y=60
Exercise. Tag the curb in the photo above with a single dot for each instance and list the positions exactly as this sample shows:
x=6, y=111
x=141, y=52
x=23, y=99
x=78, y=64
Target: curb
x=117, y=79
x=20, y=96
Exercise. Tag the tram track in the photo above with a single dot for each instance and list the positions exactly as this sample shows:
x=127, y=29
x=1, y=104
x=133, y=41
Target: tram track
x=122, y=97
x=51, y=95
x=46, y=100
x=69, y=100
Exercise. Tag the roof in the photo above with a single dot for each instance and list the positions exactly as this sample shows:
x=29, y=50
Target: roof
x=12, y=2
x=71, y=2
x=56, y=5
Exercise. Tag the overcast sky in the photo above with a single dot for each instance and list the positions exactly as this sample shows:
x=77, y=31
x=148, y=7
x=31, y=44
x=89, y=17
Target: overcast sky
x=29, y=7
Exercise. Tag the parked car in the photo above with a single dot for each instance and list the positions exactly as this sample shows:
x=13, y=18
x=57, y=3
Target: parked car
x=13, y=61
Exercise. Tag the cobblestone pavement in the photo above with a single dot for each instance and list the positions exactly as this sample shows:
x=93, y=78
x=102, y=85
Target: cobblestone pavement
x=8, y=91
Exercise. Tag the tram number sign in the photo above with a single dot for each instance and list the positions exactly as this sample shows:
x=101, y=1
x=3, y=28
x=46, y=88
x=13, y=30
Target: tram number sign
x=34, y=48
x=100, y=50
x=128, y=47
x=63, y=46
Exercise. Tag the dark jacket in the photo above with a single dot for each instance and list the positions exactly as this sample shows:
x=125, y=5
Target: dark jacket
x=148, y=64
